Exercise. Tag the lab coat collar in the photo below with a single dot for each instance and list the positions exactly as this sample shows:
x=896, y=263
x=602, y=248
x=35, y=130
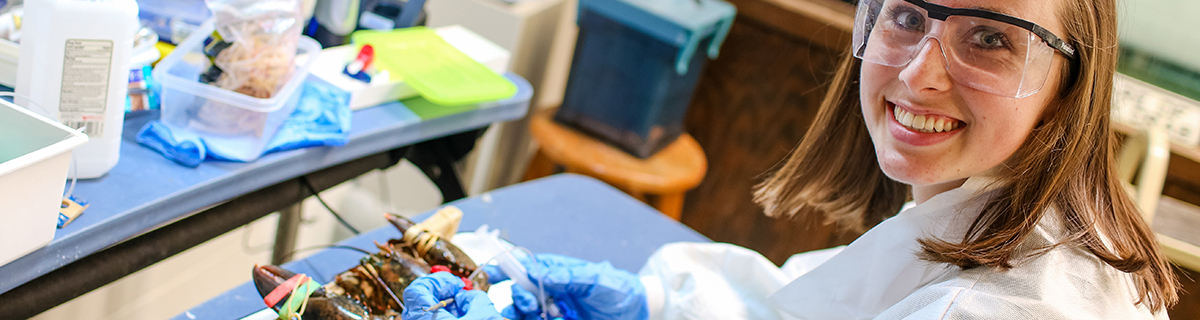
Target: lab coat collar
x=881, y=267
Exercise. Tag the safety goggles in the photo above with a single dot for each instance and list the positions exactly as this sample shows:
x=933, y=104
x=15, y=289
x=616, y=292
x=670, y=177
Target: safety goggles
x=984, y=50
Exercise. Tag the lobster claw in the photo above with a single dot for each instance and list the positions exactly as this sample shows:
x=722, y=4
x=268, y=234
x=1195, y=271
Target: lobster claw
x=268, y=277
x=401, y=223
x=436, y=251
x=320, y=305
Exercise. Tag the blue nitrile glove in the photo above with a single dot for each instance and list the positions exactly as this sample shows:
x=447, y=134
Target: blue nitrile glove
x=183, y=147
x=322, y=118
x=427, y=291
x=590, y=290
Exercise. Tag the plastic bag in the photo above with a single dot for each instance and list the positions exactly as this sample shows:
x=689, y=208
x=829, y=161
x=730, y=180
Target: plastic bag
x=261, y=36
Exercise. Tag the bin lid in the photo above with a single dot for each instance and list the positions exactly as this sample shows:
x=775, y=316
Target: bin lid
x=683, y=23
x=434, y=68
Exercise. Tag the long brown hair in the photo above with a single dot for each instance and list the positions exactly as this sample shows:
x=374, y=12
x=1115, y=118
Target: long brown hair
x=1066, y=164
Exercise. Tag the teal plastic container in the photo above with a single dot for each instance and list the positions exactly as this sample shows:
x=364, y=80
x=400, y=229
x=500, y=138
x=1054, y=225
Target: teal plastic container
x=635, y=68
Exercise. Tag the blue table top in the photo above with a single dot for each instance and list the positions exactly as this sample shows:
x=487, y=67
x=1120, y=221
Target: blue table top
x=565, y=214
x=146, y=190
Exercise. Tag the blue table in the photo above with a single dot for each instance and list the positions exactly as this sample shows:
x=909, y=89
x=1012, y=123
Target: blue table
x=565, y=214
x=146, y=192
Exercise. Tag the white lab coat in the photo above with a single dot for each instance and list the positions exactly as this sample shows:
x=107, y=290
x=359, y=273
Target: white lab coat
x=879, y=276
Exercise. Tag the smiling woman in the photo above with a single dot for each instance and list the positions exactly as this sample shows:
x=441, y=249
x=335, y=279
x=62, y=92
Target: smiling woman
x=982, y=74
x=1017, y=182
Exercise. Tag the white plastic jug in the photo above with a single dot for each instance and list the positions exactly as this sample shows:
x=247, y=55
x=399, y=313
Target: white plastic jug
x=74, y=64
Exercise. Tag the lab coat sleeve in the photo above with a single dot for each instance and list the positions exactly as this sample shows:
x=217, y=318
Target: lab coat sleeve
x=718, y=281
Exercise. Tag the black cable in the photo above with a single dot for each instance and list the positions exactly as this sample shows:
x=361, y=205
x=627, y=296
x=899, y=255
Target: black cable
x=289, y=255
x=304, y=180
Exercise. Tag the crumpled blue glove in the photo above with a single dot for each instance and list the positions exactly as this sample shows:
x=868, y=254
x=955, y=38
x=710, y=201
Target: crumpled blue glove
x=590, y=290
x=425, y=292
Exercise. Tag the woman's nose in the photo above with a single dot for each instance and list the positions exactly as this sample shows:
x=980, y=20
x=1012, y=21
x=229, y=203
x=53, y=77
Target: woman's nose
x=927, y=71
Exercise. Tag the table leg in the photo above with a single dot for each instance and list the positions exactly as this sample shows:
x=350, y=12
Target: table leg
x=436, y=159
x=285, y=234
x=540, y=166
x=636, y=194
x=670, y=204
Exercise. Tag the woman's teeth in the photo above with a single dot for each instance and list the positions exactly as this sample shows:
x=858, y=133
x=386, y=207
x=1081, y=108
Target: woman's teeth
x=924, y=123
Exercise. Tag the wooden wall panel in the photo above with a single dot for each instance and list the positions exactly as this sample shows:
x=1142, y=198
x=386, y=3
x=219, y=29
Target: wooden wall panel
x=1189, y=299
x=751, y=107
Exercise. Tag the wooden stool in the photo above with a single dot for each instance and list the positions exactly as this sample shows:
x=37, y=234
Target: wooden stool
x=662, y=179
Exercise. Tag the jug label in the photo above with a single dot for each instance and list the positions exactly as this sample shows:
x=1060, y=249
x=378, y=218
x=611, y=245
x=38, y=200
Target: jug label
x=86, y=66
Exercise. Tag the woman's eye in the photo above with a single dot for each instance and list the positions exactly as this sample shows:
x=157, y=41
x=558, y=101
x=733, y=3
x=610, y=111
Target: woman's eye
x=908, y=20
x=989, y=39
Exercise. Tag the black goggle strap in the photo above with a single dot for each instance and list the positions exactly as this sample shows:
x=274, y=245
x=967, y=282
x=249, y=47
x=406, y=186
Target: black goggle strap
x=942, y=13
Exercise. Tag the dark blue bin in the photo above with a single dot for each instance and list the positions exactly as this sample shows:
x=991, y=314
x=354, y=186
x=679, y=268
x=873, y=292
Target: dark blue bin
x=635, y=67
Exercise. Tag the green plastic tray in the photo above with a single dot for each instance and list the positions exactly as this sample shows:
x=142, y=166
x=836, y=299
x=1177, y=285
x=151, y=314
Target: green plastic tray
x=436, y=70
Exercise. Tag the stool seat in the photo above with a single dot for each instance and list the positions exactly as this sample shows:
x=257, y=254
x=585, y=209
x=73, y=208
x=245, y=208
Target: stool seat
x=666, y=175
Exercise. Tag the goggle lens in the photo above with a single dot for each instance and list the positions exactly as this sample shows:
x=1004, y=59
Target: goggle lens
x=984, y=54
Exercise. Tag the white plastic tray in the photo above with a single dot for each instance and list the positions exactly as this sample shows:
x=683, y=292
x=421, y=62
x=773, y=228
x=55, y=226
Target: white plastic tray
x=35, y=153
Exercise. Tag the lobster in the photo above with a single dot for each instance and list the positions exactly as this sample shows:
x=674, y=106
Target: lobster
x=374, y=289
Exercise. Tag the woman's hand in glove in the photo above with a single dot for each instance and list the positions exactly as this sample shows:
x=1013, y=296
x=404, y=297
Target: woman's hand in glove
x=426, y=292
x=587, y=289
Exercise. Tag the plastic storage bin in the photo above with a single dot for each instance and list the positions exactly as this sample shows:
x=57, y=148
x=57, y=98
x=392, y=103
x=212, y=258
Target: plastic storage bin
x=238, y=124
x=172, y=20
x=635, y=67
x=35, y=154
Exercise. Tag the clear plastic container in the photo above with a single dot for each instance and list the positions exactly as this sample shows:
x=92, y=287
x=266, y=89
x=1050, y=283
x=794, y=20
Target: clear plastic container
x=237, y=124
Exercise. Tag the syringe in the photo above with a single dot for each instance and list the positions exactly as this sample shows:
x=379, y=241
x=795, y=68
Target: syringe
x=515, y=271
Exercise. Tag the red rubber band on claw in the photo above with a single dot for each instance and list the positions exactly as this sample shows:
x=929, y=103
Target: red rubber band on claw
x=283, y=290
x=467, y=285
